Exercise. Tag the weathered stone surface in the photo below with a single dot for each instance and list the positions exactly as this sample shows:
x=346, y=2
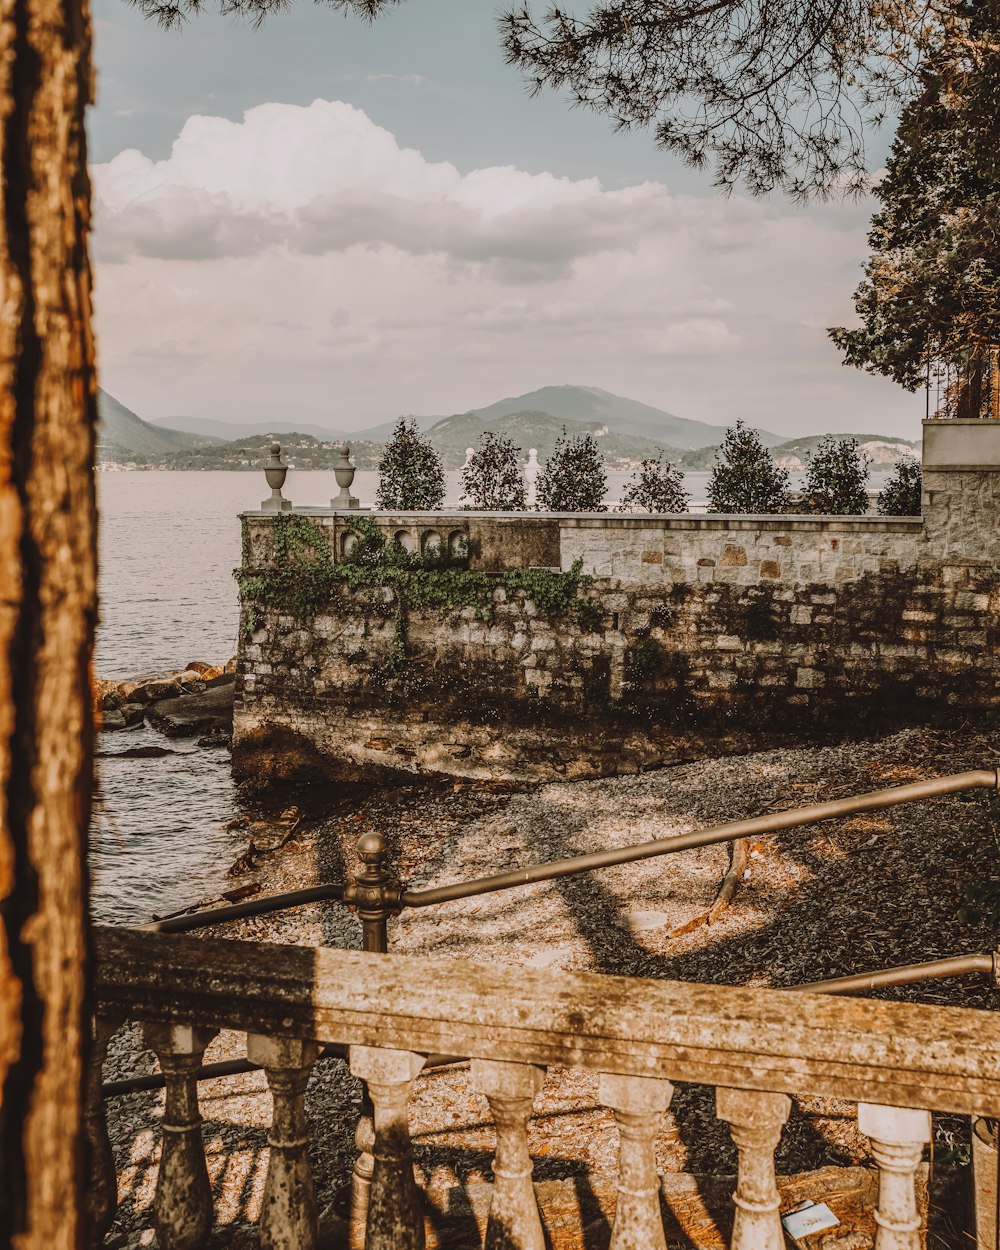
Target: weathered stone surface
x=133, y=713
x=897, y=1054
x=861, y=618
x=167, y=688
x=193, y=714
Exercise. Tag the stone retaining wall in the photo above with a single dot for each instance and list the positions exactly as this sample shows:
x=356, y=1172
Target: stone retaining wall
x=704, y=622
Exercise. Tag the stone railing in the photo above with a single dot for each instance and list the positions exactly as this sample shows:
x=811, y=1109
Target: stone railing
x=756, y=1047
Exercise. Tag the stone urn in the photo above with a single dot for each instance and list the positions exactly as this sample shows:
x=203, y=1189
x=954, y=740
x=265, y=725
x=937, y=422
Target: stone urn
x=275, y=472
x=344, y=472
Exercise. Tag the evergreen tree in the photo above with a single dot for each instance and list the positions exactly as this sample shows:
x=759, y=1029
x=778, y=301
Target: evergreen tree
x=930, y=298
x=492, y=479
x=656, y=486
x=745, y=478
x=900, y=496
x=836, y=478
x=573, y=479
x=410, y=473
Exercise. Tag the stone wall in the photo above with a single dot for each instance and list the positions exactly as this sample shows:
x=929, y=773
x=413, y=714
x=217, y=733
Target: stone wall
x=703, y=623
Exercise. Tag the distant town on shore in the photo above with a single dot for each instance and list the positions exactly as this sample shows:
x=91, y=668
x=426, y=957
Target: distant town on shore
x=627, y=432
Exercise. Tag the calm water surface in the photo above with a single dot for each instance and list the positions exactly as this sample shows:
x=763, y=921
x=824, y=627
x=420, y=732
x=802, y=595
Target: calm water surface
x=169, y=543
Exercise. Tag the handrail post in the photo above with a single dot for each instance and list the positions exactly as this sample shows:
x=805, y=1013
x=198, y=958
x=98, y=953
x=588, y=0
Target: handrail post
x=375, y=893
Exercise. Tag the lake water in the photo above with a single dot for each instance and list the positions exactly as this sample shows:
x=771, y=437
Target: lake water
x=168, y=545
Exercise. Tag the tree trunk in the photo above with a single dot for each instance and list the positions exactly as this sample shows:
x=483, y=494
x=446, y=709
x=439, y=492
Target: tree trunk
x=47, y=615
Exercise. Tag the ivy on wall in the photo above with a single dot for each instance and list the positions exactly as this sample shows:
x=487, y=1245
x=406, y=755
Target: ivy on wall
x=303, y=579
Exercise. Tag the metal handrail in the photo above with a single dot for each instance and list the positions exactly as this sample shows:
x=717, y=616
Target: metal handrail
x=907, y=974
x=255, y=907
x=377, y=895
x=364, y=890
x=793, y=818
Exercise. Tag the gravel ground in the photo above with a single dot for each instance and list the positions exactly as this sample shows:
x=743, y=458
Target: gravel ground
x=846, y=896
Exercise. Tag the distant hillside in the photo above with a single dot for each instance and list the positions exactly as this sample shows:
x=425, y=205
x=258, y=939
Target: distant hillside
x=231, y=431
x=589, y=404
x=120, y=429
x=453, y=435
x=882, y=449
x=298, y=451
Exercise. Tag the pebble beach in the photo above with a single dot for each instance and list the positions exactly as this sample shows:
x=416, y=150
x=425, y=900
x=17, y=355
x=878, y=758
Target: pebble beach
x=841, y=897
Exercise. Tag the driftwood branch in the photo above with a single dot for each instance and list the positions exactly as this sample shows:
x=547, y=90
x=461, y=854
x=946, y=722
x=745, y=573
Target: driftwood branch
x=727, y=891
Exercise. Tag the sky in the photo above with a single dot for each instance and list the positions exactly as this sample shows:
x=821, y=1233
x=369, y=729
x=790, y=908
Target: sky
x=342, y=223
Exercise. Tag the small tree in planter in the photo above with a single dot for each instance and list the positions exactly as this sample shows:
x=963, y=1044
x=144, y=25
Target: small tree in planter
x=492, y=480
x=900, y=496
x=573, y=479
x=410, y=473
x=656, y=486
x=836, y=478
x=745, y=478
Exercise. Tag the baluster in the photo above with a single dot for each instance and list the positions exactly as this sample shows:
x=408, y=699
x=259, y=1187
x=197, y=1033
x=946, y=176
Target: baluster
x=898, y=1136
x=101, y=1198
x=288, y=1217
x=510, y=1088
x=395, y=1211
x=182, y=1207
x=755, y=1121
x=638, y=1103
x=364, y=1164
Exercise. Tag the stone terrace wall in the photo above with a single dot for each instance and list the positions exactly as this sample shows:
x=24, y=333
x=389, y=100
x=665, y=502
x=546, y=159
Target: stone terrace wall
x=704, y=623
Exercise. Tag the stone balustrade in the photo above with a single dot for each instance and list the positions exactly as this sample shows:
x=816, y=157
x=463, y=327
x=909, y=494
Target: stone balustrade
x=757, y=1047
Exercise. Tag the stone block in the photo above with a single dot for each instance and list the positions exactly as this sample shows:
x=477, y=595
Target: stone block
x=770, y=569
x=809, y=678
x=733, y=557
x=724, y=680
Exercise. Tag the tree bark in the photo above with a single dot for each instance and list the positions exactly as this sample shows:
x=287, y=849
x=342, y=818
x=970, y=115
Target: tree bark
x=47, y=615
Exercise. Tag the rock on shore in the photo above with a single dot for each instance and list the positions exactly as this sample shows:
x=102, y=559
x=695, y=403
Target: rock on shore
x=195, y=700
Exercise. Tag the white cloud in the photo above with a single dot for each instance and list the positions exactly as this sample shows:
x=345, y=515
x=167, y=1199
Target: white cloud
x=325, y=178
x=303, y=257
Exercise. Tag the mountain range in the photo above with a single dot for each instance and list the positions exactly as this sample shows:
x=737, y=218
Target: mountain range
x=120, y=431
x=588, y=405
x=627, y=431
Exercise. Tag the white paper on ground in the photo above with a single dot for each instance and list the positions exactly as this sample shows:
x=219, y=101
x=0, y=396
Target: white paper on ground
x=809, y=1218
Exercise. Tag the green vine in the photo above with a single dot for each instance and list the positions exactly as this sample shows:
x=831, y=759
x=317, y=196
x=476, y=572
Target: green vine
x=304, y=579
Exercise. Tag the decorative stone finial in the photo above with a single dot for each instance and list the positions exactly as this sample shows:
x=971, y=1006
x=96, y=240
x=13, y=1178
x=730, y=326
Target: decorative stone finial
x=275, y=472
x=344, y=472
